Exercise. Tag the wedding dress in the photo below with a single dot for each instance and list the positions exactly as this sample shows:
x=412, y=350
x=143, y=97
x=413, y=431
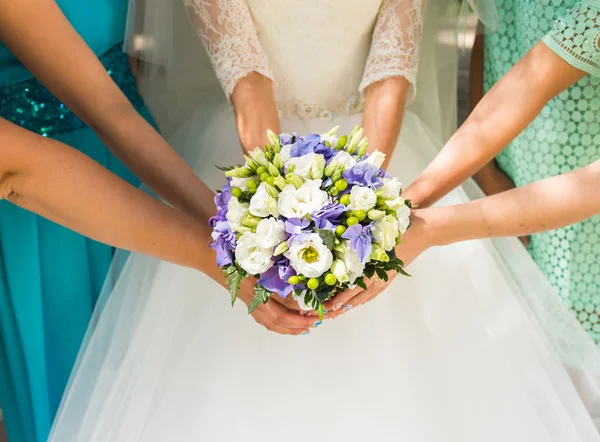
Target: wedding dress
x=474, y=347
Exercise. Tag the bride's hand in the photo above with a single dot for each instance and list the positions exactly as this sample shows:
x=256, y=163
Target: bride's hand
x=275, y=316
x=255, y=110
x=418, y=238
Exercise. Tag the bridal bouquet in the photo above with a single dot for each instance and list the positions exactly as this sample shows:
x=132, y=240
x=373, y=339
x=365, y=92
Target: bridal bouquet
x=308, y=217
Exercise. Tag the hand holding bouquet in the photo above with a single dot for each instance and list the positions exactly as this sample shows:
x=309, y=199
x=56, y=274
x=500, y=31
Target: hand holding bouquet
x=309, y=217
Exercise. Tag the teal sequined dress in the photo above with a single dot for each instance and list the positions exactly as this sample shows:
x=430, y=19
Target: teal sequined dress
x=50, y=277
x=564, y=137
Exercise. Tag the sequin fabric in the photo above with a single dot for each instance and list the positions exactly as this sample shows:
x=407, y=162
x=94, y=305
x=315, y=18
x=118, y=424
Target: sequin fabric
x=30, y=105
x=564, y=137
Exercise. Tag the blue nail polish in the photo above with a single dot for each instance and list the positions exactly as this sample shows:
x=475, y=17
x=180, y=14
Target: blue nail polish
x=304, y=333
x=318, y=323
x=347, y=307
x=324, y=311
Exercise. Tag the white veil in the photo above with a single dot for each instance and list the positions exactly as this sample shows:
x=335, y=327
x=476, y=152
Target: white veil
x=176, y=79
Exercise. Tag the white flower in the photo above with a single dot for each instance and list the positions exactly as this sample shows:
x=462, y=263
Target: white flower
x=343, y=158
x=285, y=153
x=259, y=156
x=309, y=256
x=270, y=232
x=385, y=231
x=376, y=159
x=333, y=140
x=354, y=267
x=262, y=204
x=309, y=166
x=240, y=182
x=297, y=203
x=300, y=300
x=391, y=188
x=403, y=214
x=236, y=212
x=362, y=198
x=338, y=268
x=252, y=257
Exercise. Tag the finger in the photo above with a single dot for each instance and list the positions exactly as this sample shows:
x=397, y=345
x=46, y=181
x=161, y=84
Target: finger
x=525, y=240
x=287, y=318
x=361, y=298
x=264, y=320
x=341, y=299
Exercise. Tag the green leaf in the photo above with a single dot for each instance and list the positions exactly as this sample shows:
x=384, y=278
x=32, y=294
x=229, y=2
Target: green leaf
x=321, y=311
x=226, y=168
x=382, y=275
x=369, y=271
x=261, y=296
x=403, y=272
x=328, y=237
x=234, y=280
x=361, y=283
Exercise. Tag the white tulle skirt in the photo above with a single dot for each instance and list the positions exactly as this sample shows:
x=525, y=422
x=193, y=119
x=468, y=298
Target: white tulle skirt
x=474, y=347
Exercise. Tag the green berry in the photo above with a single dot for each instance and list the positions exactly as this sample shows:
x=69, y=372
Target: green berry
x=342, y=141
x=294, y=280
x=339, y=230
x=264, y=176
x=236, y=192
x=252, y=191
x=251, y=184
x=313, y=283
x=330, y=279
x=261, y=169
x=345, y=200
x=341, y=185
x=360, y=214
x=301, y=277
x=352, y=221
x=270, y=180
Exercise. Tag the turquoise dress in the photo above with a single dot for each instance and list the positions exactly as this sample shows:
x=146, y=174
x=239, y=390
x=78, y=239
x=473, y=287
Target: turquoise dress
x=50, y=277
x=564, y=137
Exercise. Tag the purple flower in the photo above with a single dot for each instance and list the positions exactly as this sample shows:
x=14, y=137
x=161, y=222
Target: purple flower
x=327, y=152
x=296, y=226
x=360, y=240
x=221, y=201
x=364, y=174
x=224, y=243
x=276, y=278
x=304, y=146
x=285, y=139
x=324, y=218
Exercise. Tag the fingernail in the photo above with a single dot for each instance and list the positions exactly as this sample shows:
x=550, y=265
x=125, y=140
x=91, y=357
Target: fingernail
x=337, y=306
x=304, y=333
x=318, y=323
x=325, y=311
x=347, y=307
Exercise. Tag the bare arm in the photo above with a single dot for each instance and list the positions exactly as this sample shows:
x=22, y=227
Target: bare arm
x=545, y=205
x=498, y=118
x=38, y=33
x=65, y=186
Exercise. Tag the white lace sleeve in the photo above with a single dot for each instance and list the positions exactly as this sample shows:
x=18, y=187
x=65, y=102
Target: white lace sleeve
x=229, y=36
x=395, y=44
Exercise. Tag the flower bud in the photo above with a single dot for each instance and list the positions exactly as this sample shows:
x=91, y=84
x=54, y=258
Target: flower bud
x=240, y=172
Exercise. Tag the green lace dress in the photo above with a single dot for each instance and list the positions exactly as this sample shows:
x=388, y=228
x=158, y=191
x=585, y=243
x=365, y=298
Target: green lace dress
x=564, y=137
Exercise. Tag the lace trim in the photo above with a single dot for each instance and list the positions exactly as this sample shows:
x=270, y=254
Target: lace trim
x=395, y=46
x=576, y=37
x=228, y=34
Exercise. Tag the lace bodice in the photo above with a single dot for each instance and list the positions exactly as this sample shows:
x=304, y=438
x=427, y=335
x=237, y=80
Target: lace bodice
x=321, y=54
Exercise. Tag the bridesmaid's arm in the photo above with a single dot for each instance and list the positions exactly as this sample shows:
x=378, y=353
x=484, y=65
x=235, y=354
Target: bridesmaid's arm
x=38, y=33
x=60, y=183
x=389, y=80
x=499, y=117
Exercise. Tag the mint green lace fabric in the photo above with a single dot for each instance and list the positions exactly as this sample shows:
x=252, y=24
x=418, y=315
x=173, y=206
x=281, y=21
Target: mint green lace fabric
x=564, y=137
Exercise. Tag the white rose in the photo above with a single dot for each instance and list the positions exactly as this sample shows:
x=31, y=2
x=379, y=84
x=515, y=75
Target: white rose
x=297, y=203
x=385, y=231
x=240, y=182
x=338, y=268
x=259, y=156
x=309, y=256
x=285, y=154
x=309, y=167
x=343, y=158
x=236, y=212
x=270, y=232
x=300, y=300
x=403, y=214
x=362, y=198
x=252, y=257
x=262, y=204
x=391, y=188
x=376, y=159
x=354, y=267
